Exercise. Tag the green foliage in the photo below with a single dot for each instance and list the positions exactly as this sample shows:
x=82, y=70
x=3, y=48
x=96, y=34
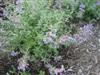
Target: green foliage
x=24, y=73
x=36, y=20
x=8, y=12
x=41, y=73
x=38, y=16
x=91, y=10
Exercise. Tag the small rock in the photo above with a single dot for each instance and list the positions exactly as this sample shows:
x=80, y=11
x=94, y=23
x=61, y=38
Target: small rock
x=58, y=58
x=96, y=59
x=99, y=40
x=99, y=50
x=89, y=67
x=70, y=69
x=79, y=72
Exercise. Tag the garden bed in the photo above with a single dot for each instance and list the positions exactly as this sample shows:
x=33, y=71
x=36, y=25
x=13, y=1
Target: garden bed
x=50, y=38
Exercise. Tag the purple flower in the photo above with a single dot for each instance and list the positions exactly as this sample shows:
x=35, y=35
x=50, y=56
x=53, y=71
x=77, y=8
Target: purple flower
x=60, y=71
x=63, y=39
x=81, y=9
x=98, y=3
x=88, y=27
x=79, y=38
x=47, y=40
x=56, y=71
x=13, y=53
x=19, y=1
x=84, y=34
x=51, y=34
x=87, y=30
x=82, y=5
x=66, y=39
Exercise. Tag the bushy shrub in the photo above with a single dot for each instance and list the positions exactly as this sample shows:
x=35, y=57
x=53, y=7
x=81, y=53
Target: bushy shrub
x=39, y=24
